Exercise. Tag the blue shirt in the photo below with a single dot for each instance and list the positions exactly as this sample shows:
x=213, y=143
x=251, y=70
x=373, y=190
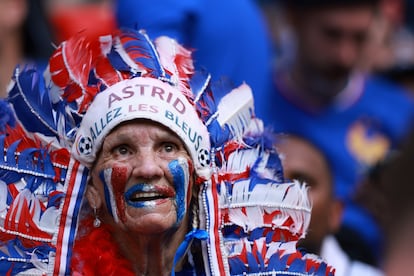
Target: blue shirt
x=353, y=135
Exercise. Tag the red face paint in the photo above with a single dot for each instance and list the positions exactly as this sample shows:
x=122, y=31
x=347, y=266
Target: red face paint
x=119, y=179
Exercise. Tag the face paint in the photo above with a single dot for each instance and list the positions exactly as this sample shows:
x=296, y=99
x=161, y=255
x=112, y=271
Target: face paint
x=114, y=180
x=147, y=195
x=179, y=169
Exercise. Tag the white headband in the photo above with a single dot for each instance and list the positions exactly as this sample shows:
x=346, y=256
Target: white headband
x=146, y=98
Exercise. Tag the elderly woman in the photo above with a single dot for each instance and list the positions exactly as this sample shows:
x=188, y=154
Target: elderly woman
x=175, y=179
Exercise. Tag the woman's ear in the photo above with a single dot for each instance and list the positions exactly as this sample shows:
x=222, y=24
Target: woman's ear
x=94, y=199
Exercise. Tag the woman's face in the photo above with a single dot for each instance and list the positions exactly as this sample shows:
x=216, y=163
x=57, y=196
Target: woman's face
x=142, y=177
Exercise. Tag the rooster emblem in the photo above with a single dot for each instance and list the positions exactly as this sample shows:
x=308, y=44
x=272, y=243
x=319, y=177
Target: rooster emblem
x=366, y=144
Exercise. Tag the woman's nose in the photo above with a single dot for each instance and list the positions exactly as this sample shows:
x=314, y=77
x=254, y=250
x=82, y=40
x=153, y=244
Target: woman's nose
x=146, y=165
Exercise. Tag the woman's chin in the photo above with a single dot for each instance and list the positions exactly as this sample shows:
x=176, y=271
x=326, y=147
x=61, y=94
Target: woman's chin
x=155, y=218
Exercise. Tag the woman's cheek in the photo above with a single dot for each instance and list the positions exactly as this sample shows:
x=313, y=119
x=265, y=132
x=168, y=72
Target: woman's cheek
x=181, y=175
x=114, y=180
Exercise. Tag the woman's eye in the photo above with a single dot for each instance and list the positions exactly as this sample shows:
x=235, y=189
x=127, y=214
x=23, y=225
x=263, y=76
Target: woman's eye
x=122, y=150
x=169, y=147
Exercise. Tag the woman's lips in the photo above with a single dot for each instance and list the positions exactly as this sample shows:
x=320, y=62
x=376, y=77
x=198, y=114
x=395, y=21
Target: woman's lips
x=140, y=195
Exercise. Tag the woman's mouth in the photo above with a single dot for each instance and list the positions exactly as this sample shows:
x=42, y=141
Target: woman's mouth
x=144, y=195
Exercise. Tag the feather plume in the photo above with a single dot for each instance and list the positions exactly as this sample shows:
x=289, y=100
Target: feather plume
x=30, y=103
x=206, y=105
x=132, y=51
x=6, y=116
x=70, y=67
x=177, y=63
x=23, y=257
x=106, y=74
x=199, y=82
x=236, y=109
x=233, y=115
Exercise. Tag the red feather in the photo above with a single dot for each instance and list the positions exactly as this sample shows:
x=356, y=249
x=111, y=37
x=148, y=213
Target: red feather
x=70, y=66
x=106, y=73
x=105, y=259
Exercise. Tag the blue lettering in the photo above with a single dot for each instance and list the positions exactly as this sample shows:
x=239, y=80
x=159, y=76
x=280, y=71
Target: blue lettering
x=169, y=115
x=98, y=132
x=117, y=112
x=93, y=136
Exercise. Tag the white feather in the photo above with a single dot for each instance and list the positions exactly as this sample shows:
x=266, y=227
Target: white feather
x=282, y=247
x=290, y=199
x=236, y=109
x=167, y=50
x=39, y=264
x=49, y=220
x=3, y=197
x=105, y=42
x=238, y=161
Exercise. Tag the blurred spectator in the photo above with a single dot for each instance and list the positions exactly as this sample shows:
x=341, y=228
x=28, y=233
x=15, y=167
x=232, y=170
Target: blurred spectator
x=229, y=37
x=24, y=36
x=320, y=93
x=92, y=17
x=391, y=51
x=306, y=163
x=389, y=193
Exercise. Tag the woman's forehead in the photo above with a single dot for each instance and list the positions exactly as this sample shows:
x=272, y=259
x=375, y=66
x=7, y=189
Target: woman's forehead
x=142, y=124
x=142, y=128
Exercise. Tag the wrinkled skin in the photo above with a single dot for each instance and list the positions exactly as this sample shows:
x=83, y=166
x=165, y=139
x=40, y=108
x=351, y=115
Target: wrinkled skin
x=148, y=224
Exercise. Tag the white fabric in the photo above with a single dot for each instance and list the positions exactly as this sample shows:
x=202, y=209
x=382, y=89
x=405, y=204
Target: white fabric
x=333, y=254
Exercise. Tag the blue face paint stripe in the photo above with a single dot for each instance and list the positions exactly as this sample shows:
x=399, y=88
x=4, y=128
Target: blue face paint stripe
x=178, y=174
x=107, y=192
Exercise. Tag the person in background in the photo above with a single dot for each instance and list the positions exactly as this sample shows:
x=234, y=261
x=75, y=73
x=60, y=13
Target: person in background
x=25, y=35
x=391, y=51
x=321, y=93
x=388, y=192
x=230, y=38
x=91, y=17
x=304, y=162
x=398, y=209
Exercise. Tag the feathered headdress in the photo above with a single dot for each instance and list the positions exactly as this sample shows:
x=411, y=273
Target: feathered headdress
x=259, y=216
x=253, y=219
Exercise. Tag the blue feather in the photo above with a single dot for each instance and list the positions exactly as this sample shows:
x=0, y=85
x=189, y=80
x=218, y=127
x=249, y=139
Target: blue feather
x=205, y=104
x=274, y=263
x=256, y=234
x=116, y=60
x=218, y=135
x=36, y=168
x=298, y=265
x=7, y=162
x=237, y=267
x=6, y=116
x=282, y=263
x=252, y=263
x=261, y=261
x=15, y=249
x=199, y=82
x=55, y=200
x=32, y=104
x=140, y=49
